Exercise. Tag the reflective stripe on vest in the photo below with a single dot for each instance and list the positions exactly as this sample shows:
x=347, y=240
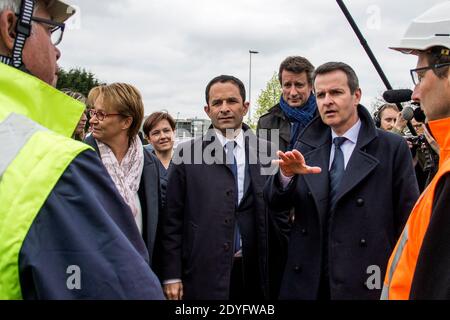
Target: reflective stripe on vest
x=398, y=253
x=32, y=160
x=15, y=131
x=402, y=264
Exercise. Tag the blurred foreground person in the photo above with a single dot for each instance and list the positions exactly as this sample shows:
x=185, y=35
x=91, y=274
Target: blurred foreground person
x=63, y=231
x=419, y=267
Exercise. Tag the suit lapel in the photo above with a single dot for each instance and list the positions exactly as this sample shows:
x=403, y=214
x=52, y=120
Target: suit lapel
x=315, y=146
x=358, y=168
x=253, y=166
x=213, y=149
x=361, y=163
x=150, y=193
x=318, y=184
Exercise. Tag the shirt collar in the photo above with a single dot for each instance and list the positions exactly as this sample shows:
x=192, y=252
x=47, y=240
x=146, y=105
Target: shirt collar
x=223, y=140
x=351, y=134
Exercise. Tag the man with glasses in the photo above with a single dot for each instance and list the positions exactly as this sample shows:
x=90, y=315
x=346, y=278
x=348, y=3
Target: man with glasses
x=63, y=231
x=419, y=267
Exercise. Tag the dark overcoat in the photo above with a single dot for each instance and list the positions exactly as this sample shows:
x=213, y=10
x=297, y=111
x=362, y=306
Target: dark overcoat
x=275, y=119
x=198, y=225
x=376, y=195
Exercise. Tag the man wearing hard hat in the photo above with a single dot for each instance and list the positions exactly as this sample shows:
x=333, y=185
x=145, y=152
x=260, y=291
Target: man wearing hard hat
x=65, y=232
x=419, y=267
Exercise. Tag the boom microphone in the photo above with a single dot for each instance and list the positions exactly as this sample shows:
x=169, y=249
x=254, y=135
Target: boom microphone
x=397, y=96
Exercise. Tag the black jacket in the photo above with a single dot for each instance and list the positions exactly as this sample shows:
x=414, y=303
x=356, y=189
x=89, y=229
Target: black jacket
x=275, y=119
x=149, y=196
x=376, y=195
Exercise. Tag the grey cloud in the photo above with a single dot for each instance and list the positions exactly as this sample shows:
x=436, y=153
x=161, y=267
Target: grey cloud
x=170, y=49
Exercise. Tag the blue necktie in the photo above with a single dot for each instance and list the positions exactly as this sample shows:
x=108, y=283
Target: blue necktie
x=231, y=161
x=337, y=170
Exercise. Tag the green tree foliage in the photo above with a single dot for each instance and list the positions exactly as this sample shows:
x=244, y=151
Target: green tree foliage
x=268, y=97
x=78, y=80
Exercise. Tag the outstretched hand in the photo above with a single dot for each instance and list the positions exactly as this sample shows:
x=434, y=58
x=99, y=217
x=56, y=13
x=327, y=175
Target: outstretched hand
x=293, y=162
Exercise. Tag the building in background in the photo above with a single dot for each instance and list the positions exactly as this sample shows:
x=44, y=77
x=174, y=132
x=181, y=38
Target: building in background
x=187, y=129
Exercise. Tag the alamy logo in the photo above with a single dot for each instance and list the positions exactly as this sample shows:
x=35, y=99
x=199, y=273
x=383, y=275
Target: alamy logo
x=74, y=280
x=74, y=23
x=374, y=20
x=374, y=280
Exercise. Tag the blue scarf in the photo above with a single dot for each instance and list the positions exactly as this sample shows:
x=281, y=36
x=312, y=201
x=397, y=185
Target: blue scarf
x=299, y=117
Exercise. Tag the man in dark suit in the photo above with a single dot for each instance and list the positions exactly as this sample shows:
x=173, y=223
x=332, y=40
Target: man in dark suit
x=215, y=228
x=352, y=186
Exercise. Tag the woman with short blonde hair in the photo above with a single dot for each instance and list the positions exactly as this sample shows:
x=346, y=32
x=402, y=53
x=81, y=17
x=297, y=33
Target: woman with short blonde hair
x=116, y=116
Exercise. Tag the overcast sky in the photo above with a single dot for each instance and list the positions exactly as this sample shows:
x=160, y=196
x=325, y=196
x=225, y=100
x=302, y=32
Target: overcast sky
x=170, y=49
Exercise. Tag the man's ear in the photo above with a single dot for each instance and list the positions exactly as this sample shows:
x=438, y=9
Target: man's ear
x=206, y=108
x=246, y=107
x=358, y=94
x=7, y=30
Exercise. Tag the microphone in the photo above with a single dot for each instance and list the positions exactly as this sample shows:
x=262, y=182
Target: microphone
x=397, y=96
x=419, y=115
x=408, y=113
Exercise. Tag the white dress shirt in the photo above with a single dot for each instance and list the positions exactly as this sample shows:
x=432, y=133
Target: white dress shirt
x=349, y=145
x=239, y=154
x=347, y=149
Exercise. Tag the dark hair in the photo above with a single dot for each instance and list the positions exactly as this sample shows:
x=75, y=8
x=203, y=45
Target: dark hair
x=436, y=56
x=297, y=64
x=153, y=119
x=352, y=78
x=223, y=79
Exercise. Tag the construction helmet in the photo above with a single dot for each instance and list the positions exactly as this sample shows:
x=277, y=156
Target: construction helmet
x=59, y=12
x=430, y=29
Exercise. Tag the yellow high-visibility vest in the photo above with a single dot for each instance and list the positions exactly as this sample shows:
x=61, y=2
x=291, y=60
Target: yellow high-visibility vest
x=36, y=123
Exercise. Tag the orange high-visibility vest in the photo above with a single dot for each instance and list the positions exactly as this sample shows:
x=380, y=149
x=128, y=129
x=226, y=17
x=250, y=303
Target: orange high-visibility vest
x=403, y=261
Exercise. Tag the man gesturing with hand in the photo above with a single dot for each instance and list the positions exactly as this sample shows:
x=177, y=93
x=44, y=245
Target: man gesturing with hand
x=352, y=187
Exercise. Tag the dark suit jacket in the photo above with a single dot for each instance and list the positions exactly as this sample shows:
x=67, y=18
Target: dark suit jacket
x=149, y=196
x=376, y=195
x=197, y=229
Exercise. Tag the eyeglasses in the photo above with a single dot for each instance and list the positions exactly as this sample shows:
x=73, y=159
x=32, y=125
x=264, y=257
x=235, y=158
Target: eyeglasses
x=419, y=73
x=101, y=115
x=56, y=28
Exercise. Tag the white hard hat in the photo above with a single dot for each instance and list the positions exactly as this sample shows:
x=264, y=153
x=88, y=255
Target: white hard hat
x=59, y=10
x=430, y=29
